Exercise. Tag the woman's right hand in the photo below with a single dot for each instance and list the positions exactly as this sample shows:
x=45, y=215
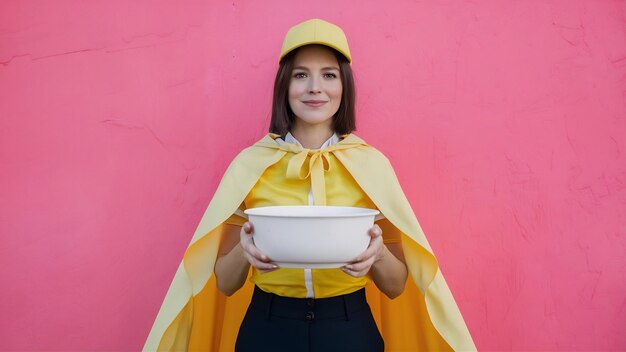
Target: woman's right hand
x=252, y=253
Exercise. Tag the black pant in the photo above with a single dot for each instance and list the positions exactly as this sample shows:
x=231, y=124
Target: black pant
x=275, y=323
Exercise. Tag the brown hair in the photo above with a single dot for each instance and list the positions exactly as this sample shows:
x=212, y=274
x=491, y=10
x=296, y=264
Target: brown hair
x=282, y=116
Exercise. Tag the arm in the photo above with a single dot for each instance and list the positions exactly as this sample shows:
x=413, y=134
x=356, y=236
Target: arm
x=389, y=273
x=237, y=251
x=231, y=266
x=386, y=263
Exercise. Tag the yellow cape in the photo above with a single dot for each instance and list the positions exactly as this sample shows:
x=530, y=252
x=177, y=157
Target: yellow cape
x=195, y=316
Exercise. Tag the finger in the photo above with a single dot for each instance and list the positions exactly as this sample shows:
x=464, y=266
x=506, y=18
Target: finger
x=349, y=272
x=247, y=243
x=375, y=231
x=265, y=267
x=249, y=248
x=265, y=271
x=255, y=262
x=371, y=250
x=248, y=228
x=254, y=252
x=375, y=242
x=361, y=266
x=354, y=273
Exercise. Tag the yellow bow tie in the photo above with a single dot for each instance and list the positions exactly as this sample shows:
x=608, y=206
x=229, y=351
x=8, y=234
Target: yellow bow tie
x=318, y=164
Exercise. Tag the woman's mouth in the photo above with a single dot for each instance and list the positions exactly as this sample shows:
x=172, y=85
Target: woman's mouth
x=315, y=103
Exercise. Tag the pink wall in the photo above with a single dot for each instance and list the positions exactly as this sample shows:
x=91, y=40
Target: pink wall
x=505, y=121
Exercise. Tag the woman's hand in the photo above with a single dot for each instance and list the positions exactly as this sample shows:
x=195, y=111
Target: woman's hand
x=252, y=253
x=374, y=252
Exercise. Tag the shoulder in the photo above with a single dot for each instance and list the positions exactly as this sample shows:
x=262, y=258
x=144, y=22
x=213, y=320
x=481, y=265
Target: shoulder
x=257, y=155
x=367, y=151
x=245, y=153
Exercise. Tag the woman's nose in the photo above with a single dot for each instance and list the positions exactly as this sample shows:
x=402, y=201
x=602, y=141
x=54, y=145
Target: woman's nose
x=314, y=85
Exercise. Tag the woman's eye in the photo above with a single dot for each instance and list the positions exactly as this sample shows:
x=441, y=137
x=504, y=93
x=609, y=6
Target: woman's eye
x=300, y=75
x=330, y=75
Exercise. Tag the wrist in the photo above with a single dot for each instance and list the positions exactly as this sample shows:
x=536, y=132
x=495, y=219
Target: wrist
x=382, y=253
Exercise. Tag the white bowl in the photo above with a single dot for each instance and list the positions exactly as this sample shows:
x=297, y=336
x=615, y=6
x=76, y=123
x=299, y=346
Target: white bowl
x=311, y=236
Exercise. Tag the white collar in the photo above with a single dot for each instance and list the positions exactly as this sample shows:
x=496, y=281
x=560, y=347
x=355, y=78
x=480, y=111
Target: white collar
x=289, y=138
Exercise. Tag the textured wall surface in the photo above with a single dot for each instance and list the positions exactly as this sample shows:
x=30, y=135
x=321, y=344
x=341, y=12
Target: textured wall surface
x=505, y=122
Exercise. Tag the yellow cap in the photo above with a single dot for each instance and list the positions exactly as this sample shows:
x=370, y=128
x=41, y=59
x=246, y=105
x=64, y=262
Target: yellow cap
x=316, y=31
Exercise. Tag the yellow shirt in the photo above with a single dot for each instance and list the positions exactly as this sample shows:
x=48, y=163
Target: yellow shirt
x=276, y=187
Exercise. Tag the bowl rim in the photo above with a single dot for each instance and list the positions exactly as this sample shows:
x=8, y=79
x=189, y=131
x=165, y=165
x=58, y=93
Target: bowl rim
x=361, y=212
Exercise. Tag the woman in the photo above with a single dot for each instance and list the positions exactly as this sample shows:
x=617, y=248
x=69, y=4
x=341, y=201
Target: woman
x=310, y=156
x=313, y=102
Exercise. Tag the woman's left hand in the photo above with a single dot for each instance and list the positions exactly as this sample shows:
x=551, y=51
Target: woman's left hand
x=374, y=252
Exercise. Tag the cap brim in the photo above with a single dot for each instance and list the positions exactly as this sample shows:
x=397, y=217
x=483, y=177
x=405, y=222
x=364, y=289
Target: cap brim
x=347, y=56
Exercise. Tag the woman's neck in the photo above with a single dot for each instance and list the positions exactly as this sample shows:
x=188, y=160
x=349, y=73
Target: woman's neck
x=312, y=137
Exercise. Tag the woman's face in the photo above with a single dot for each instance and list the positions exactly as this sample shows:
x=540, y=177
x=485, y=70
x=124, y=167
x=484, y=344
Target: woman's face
x=315, y=86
